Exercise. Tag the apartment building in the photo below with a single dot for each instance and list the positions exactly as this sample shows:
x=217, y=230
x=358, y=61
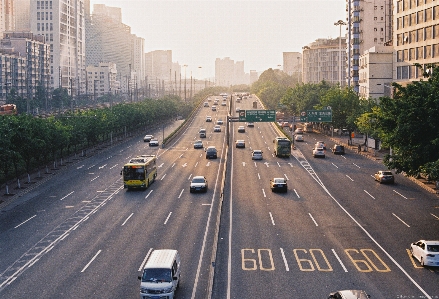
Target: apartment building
x=62, y=23
x=369, y=25
x=321, y=61
x=415, y=38
x=101, y=80
x=375, y=71
x=25, y=60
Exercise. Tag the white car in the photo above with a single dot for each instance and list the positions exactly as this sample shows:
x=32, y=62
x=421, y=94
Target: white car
x=256, y=155
x=153, y=142
x=198, y=184
x=219, y=122
x=250, y=124
x=321, y=144
x=217, y=128
x=298, y=137
x=318, y=152
x=426, y=252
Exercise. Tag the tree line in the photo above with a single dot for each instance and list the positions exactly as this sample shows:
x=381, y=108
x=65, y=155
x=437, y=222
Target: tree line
x=407, y=123
x=29, y=142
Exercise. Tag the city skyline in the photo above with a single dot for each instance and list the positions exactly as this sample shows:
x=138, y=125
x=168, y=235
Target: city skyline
x=256, y=32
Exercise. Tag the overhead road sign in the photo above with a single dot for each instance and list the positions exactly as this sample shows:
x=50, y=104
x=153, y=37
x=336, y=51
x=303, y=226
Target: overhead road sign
x=258, y=116
x=319, y=115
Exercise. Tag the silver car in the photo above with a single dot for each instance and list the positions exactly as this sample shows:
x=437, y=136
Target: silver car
x=426, y=252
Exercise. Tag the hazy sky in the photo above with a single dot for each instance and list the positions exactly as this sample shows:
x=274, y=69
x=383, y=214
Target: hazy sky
x=256, y=32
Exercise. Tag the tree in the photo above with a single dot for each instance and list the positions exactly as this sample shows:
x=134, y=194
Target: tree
x=409, y=125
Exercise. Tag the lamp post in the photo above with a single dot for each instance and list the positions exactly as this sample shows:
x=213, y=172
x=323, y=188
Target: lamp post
x=339, y=23
x=200, y=75
x=185, y=66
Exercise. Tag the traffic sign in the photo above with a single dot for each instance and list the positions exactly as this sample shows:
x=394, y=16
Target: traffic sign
x=319, y=115
x=259, y=116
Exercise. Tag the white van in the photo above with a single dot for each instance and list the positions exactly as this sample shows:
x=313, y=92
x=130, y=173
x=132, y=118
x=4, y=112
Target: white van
x=161, y=275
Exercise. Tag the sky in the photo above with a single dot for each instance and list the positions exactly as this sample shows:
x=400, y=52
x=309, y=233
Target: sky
x=256, y=32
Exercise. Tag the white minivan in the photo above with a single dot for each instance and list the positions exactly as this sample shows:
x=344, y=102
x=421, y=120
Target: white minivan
x=161, y=275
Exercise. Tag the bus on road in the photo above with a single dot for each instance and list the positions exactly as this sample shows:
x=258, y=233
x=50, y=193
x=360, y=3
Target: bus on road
x=282, y=147
x=139, y=172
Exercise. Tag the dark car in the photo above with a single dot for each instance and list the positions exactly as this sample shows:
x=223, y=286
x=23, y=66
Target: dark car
x=384, y=176
x=338, y=149
x=278, y=184
x=240, y=143
x=211, y=153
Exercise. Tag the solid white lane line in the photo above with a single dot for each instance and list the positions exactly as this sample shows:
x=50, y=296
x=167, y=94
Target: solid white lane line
x=148, y=194
x=127, y=219
x=271, y=217
x=91, y=261
x=167, y=218
x=369, y=194
x=315, y=222
x=339, y=260
x=25, y=221
x=334, y=165
x=400, y=194
x=356, y=165
x=285, y=260
x=400, y=220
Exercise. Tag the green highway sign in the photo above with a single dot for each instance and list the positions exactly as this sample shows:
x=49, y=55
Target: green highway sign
x=319, y=115
x=257, y=115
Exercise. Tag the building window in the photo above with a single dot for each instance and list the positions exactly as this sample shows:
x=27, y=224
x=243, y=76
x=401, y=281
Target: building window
x=382, y=29
x=38, y=16
x=38, y=4
x=47, y=15
x=375, y=7
x=374, y=29
x=375, y=18
x=38, y=26
x=51, y=27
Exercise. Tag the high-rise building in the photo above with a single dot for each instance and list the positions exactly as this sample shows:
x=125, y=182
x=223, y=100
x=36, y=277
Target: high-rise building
x=160, y=68
x=321, y=61
x=109, y=40
x=228, y=73
x=292, y=64
x=62, y=23
x=7, y=16
x=415, y=38
x=101, y=80
x=369, y=25
x=22, y=15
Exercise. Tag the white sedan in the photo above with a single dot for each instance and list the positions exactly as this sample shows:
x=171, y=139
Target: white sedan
x=318, y=152
x=426, y=252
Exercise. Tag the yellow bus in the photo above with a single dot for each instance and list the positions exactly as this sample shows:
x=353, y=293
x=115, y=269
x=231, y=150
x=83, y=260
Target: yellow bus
x=139, y=172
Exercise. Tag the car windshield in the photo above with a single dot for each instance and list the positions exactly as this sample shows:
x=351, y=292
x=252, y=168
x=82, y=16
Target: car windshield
x=198, y=180
x=157, y=275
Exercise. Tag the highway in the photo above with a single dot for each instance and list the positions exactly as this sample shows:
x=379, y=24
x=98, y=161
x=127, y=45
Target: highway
x=82, y=235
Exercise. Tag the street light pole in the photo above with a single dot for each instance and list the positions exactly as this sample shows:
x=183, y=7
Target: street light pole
x=339, y=23
x=185, y=82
